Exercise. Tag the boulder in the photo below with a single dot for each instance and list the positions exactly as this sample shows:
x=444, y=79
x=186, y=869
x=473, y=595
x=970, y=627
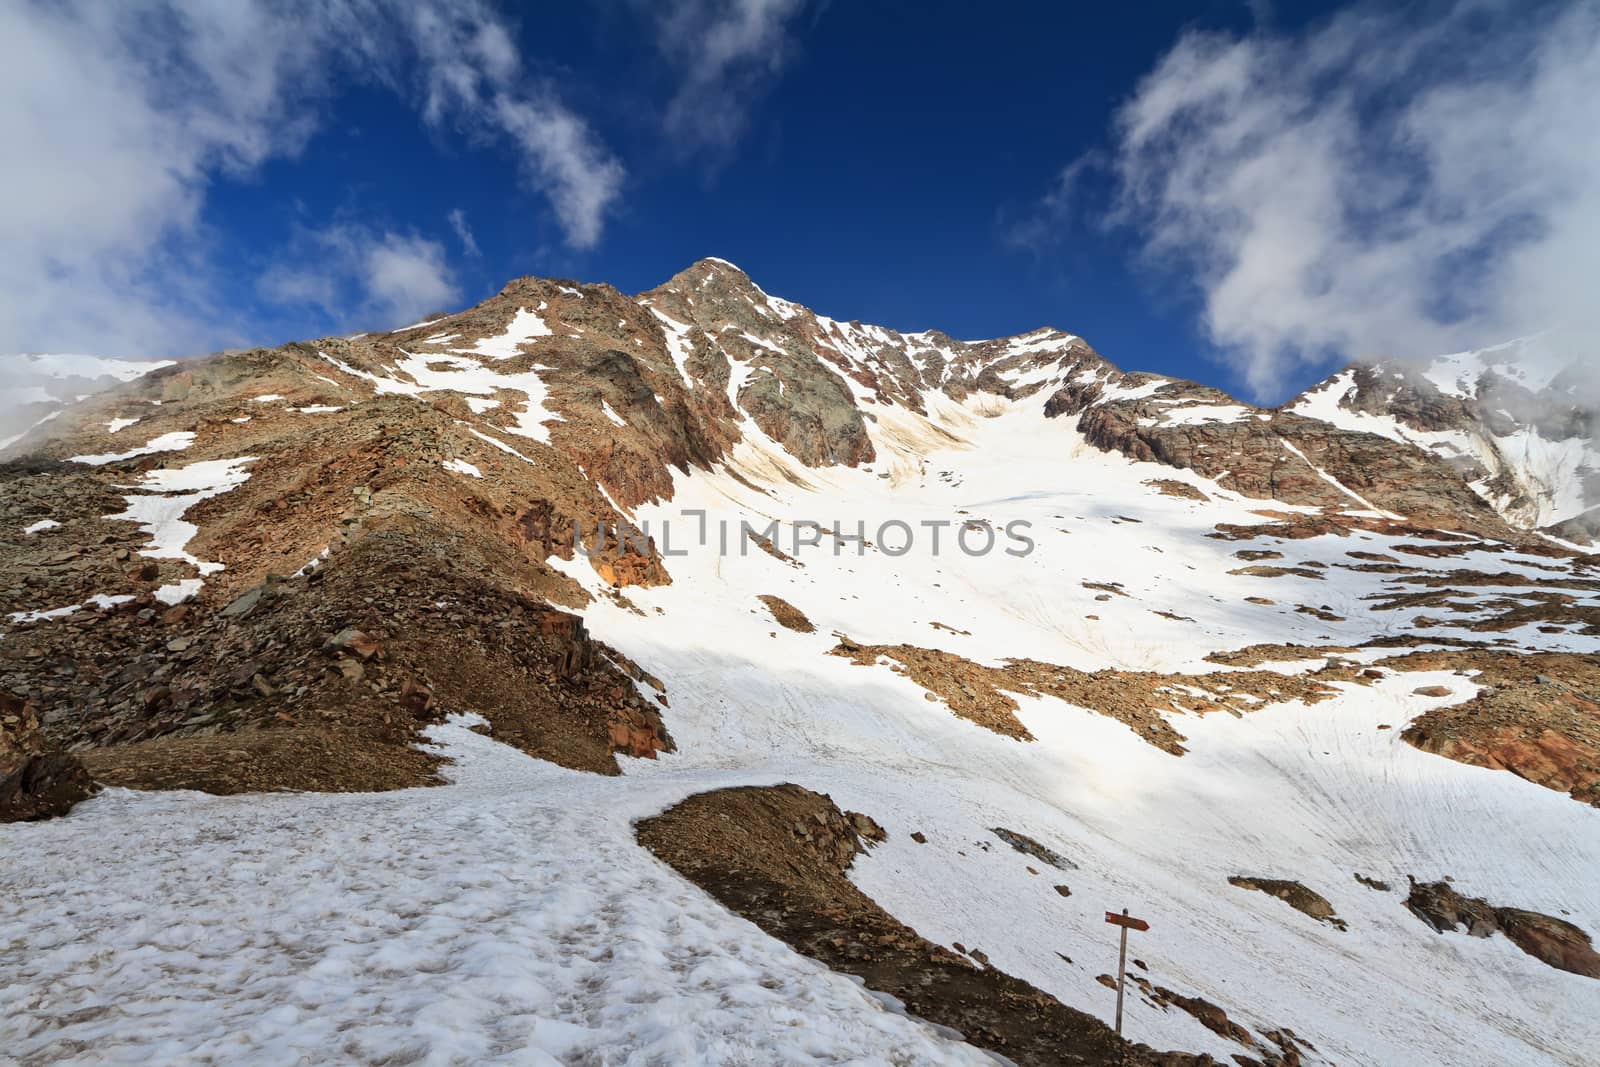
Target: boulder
x=353, y=642
x=37, y=779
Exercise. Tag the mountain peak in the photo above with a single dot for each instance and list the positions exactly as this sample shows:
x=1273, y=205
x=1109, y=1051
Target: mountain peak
x=709, y=272
x=709, y=527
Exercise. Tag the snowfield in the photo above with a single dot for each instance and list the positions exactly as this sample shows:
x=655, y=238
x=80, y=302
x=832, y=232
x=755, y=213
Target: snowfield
x=510, y=917
x=1315, y=794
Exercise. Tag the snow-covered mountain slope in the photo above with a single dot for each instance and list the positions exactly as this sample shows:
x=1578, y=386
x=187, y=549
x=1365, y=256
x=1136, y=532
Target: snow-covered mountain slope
x=1315, y=793
x=506, y=918
x=1076, y=639
x=38, y=386
x=1517, y=421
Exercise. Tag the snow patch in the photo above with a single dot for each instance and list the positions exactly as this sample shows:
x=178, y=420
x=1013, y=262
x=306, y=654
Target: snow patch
x=99, y=600
x=525, y=326
x=496, y=442
x=677, y=342
x=507, y=917
x=167, y=442
x=166, y=495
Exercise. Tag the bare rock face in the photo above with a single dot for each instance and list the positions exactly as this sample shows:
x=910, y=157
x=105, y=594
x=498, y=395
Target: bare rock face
x=1498, y=418
x=809, y=410
x=1399, y=390
x=1283, y=456
x=1544, y=937
x=627, y=565
x=37, y=780
x=1301, y=899
x=1534, y=716
x=787, y=387
x=1546, y=757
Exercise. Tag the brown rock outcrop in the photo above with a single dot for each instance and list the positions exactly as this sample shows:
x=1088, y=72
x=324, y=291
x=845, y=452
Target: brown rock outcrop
x=786, y=614
x=1140, y=699
x=1306, y=901
x=1278, y=457
x=778, y=856
x=1534, y=715
x=1544, y=937
x=37, y=779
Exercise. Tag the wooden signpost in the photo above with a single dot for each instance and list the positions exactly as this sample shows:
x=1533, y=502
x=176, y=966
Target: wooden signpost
x=1122, y=955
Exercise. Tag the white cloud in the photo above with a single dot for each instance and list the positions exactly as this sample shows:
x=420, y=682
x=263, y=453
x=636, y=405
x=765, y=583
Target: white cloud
x=363, y=278
x=727, y=52
x=559, y=155
x=406, y=277
x=119, y=117
x=458, y=223
x=1388, y=182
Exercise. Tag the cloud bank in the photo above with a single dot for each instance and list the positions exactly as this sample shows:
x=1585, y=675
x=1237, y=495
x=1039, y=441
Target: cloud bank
x=120, y=116
x=1389, y=182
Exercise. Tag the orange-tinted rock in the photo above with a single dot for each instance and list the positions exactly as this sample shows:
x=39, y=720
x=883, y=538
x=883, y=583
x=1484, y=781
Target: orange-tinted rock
x=629, y=568
x=1544, y=937
x=639, y=733
x=1547, y=758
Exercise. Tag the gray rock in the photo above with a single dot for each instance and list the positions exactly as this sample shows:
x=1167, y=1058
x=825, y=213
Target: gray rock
x=244, y=604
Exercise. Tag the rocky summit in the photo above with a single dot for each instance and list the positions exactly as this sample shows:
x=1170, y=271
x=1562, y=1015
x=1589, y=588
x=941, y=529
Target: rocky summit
x=654, y=678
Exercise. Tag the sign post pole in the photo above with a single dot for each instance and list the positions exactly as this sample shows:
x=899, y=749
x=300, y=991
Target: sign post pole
x=1122, y=971
x=1127, y=923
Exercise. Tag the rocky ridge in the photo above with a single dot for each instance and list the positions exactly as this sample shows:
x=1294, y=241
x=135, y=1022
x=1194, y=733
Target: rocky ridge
x=1516, y=422
x=276, y=569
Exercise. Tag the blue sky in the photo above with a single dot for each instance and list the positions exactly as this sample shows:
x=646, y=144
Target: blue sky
x=880, y=175
x=1244, y=194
